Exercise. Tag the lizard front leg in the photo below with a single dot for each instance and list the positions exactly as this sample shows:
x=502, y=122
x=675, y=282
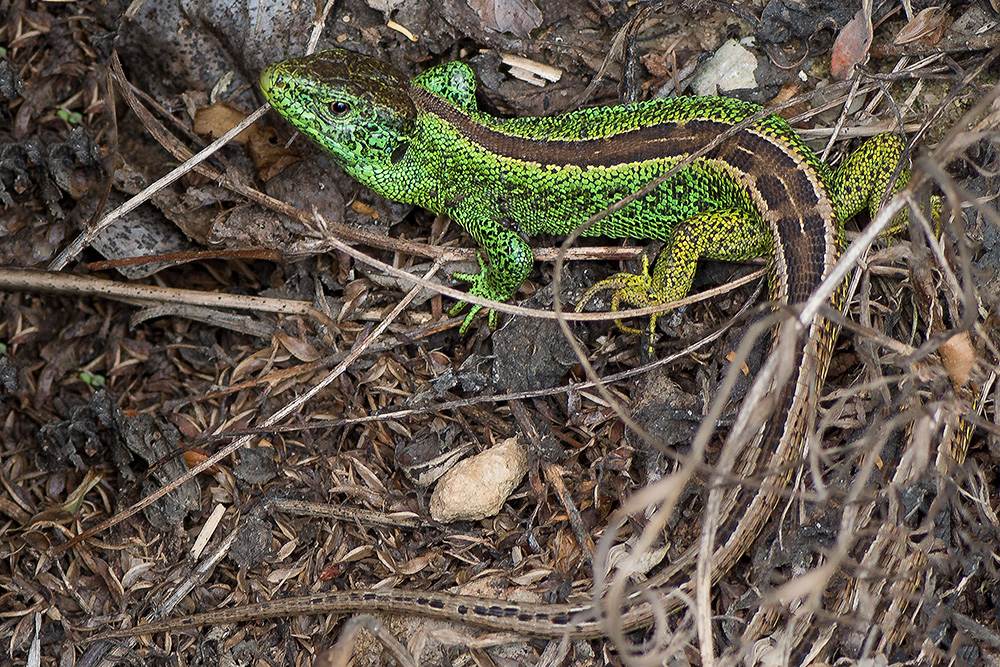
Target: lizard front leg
x=510, y=262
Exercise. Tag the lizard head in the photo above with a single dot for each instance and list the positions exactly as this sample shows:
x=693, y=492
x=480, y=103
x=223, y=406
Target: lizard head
x=356, y=108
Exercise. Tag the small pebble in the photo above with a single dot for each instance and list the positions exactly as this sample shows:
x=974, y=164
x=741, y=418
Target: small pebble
x=478, y=487
x=731, y=68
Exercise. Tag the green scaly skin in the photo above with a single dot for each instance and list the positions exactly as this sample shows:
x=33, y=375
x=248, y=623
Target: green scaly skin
x=365, y=113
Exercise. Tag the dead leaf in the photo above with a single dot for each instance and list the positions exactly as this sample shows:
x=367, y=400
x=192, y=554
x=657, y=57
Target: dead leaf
x=519, y=17
x=193, y=457
x=929, y=25
x=958, y=356
x=374, y=373
x=412, y=566
x=354, y=292
x=359, y=206
x=731, y=357
x=851, y=47
x=331, y=571
x=787, y=92
x=218, y=119
x=269, y=155
x=300, y=349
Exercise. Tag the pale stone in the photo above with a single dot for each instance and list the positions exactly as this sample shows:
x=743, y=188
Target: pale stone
x=478, y=487
x=731, y=68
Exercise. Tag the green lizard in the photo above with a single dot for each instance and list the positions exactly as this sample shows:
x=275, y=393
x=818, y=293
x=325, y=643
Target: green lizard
x=759, y=192
x=425, y=142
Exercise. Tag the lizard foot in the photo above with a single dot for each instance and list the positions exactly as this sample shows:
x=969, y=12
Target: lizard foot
x=479, y=288
x=635, y=289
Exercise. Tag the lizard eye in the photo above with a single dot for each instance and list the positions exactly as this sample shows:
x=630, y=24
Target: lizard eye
x=339, y=108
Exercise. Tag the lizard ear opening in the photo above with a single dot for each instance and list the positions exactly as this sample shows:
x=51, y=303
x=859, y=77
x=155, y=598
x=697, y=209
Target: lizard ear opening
x=399, y=151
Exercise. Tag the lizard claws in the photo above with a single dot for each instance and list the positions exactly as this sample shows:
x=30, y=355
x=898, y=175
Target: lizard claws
x=636, y=289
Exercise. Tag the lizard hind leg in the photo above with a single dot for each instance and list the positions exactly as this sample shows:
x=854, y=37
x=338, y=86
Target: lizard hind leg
x=865, y=177
x=730, y=235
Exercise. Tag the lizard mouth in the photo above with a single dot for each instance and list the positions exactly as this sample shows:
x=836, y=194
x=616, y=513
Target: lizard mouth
x=268, y=79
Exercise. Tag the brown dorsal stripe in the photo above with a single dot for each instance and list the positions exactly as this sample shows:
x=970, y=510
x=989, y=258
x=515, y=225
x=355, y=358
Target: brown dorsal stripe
x=645, y=143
